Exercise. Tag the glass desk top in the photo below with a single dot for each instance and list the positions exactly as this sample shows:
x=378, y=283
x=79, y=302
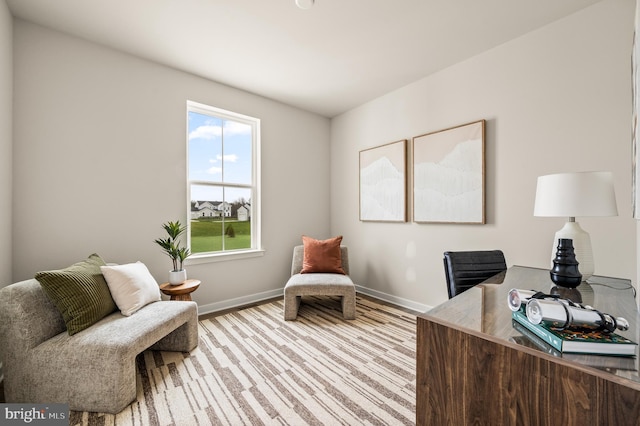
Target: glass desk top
x=484, y=309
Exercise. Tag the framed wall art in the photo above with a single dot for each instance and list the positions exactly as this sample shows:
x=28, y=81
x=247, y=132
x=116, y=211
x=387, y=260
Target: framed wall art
x=448, y=175
x=383, y=183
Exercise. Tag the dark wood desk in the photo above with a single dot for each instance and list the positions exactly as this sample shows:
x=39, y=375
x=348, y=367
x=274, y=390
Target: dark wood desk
x=473, y=367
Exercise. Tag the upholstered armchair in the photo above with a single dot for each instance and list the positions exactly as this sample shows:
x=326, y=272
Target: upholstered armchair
x=318, y=284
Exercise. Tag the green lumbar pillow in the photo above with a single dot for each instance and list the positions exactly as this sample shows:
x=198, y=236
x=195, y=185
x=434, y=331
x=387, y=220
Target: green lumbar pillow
x=80, y=293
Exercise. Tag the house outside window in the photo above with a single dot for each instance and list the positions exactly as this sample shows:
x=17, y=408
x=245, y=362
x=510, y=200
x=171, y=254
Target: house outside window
x=223, y=181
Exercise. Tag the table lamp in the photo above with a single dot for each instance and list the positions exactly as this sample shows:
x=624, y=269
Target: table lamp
x=571, y=195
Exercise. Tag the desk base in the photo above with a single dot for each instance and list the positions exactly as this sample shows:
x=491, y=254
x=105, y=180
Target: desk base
x=466, y=378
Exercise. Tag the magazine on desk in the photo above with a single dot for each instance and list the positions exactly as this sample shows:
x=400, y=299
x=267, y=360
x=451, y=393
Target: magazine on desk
x=602, y=362
x=568, y=341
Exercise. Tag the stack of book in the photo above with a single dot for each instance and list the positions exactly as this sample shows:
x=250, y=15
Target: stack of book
x=584, y=342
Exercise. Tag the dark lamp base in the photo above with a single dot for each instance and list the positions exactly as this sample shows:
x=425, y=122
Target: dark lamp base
x=565, y=281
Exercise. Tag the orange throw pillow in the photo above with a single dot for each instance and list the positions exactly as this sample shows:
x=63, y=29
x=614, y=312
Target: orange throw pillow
x=322, y=255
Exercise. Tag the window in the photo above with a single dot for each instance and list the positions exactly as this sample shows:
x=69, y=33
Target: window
x=223, y=181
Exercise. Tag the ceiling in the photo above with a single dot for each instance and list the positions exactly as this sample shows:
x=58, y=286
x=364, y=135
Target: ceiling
x=328, y=59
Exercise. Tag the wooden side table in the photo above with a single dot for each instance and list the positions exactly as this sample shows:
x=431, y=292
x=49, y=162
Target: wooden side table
x=181, y=291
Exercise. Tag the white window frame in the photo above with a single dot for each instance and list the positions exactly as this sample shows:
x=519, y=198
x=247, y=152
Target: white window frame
x=255, y=213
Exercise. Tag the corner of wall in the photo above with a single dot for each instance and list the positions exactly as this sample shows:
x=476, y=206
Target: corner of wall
x=6, y=143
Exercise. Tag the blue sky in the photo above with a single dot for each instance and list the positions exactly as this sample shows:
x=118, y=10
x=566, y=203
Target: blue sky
x=208, y=162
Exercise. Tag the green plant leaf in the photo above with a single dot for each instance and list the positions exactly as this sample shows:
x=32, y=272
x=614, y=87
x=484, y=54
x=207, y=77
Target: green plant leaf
x=171, y=245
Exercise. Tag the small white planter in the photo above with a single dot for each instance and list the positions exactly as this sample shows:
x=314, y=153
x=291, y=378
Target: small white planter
x=177, y=277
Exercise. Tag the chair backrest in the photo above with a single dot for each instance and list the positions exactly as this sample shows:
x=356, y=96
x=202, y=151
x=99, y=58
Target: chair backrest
x=28, y=317
x=465, y=269
x=298, y=257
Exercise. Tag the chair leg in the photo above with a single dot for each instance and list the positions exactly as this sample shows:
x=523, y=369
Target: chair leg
x=291, y=305
x=349, y=306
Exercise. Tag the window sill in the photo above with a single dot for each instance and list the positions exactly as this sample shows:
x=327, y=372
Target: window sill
x=222, y=257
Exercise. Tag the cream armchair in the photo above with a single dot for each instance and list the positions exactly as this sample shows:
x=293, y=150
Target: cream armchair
x=318, y=284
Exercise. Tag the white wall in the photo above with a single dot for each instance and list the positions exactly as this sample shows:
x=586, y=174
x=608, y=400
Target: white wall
x=100, y=164
x=557, y=99
x=98, y=134
x=6, y=97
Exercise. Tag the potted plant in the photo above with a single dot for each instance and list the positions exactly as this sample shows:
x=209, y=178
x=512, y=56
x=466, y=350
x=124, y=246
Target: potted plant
x=171, y=246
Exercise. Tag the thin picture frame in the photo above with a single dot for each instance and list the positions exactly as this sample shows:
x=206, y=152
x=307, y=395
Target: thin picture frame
x=449, y=175
x=383, y=183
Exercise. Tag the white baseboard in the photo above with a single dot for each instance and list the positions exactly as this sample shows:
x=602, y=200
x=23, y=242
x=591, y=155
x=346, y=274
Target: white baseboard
x=258, y=297
x=239, y=301
x=405, y=303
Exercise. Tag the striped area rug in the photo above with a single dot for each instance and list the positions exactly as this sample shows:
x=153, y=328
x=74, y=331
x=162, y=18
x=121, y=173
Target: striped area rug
x=253, y=368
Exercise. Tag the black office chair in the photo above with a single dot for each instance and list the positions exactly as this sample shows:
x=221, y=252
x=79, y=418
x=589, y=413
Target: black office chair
x=465, y=269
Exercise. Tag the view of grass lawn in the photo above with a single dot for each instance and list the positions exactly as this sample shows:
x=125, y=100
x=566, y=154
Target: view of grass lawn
x=207, y=235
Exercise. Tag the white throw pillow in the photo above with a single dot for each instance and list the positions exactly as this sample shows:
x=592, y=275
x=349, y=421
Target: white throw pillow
x=132, y=286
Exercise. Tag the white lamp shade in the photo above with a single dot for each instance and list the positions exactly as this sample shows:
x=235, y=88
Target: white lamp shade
x=576, y=194
x=571, y=195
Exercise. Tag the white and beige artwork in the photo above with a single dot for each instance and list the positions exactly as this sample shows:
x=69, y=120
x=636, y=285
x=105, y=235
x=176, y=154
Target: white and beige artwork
x=383, y=183
x=448, y=175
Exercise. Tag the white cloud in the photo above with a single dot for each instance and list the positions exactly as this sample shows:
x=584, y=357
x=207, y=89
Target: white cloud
x=205, y=132
x=231, y=128
x=214, y=170
x=235, y=128
x=229, y=158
